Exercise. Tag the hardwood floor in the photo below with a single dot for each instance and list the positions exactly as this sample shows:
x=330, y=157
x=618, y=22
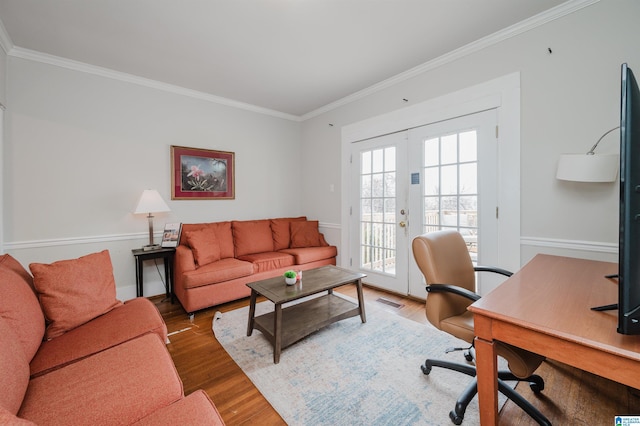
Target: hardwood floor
x=571, y=396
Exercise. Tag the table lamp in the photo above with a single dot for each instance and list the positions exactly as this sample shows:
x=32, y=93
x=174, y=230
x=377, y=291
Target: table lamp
x=151, y=202
x=589, y=167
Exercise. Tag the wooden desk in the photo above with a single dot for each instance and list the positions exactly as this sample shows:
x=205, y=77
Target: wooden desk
x=545, y=308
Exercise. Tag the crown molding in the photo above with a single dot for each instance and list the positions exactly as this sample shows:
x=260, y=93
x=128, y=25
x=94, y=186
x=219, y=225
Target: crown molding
x=555, y=13
x=32, y=55
x=475, y=46
x=5, y=41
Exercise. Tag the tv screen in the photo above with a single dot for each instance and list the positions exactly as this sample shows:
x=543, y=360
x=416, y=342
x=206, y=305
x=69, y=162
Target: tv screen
x=629, y=249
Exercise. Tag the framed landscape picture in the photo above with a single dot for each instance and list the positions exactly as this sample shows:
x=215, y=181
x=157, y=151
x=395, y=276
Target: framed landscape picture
x=202, y=174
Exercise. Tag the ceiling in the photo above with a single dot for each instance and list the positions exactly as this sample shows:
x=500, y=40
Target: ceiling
x=289, y=56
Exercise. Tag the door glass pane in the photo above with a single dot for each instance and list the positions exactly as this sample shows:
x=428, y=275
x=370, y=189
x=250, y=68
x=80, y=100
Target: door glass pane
x=378, y=210
x=468, y=146
x=449, y=149
x=432, y=181
x=378, y=161
x=450, y=173
x=469, y=178
x=449, y=179
x=365, y=164
x=432, y=152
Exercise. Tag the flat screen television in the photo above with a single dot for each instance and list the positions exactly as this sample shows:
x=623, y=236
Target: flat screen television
x=628, y=305
x=629, y=249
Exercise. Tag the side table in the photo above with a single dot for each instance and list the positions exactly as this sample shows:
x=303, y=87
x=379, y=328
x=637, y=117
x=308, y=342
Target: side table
x=164, y=253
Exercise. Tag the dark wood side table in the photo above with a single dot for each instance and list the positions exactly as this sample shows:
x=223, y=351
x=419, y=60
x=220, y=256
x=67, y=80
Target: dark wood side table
x=164, y=253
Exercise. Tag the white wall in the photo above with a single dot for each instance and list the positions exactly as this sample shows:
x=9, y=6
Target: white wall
x=80, y=148
x=568, y=99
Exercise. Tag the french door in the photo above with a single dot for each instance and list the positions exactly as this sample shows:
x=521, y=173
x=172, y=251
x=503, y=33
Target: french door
x=439, y=176
x=379, y=212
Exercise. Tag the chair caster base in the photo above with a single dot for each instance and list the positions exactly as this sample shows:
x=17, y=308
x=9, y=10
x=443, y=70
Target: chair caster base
x=456, y=419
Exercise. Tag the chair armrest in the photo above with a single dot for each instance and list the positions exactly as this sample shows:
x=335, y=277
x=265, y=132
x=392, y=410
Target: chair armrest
x=493, y=269
x=448, y=288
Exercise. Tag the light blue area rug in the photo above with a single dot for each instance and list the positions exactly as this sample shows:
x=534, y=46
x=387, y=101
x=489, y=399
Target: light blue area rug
x=351, y=373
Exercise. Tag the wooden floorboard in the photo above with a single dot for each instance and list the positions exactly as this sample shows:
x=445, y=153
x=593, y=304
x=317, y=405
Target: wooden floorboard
x=571, y=396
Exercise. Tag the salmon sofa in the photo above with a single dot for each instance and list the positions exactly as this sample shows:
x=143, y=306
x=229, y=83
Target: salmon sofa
x=214, y=261
x=72, y=354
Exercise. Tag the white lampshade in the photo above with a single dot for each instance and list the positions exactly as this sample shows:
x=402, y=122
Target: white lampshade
x=588, y=167
x=151, y=202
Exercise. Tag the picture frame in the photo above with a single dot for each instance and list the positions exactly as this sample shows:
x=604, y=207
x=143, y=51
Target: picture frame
x=171, y=234
x=202, y=174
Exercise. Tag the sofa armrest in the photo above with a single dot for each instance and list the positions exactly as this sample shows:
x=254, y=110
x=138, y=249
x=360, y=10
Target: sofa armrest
x=323, y=242
x=184, y=260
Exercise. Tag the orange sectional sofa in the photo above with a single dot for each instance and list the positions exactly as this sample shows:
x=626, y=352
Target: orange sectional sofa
x=72, y=354
x=214, y=261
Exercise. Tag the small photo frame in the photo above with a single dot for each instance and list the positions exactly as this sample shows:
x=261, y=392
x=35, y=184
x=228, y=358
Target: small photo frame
x=202, y=174
x=171, y=234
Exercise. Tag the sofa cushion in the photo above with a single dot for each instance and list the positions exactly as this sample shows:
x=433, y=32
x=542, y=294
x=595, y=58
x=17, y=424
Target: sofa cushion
x=118, y=386
x=14, y=370
x=8, y=419
x=305, y=234
x=196, y=408
x=204, y=244
x=217, y=272
x=268, y=261
x=224, y=235
x=134, y=318
x=19, y=305
x=252, y=236
x=73, y=292
x=8, y=262
x=281, y=231
x=311, y=254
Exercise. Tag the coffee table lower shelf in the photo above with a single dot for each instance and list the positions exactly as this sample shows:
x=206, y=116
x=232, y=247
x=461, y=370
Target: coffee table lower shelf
x=302, y=319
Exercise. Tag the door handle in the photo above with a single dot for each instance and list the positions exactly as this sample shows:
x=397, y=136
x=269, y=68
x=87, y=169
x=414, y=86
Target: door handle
x=402, y=224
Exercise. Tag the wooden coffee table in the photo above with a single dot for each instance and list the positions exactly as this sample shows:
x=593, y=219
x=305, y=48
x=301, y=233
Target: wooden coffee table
x=285, y=326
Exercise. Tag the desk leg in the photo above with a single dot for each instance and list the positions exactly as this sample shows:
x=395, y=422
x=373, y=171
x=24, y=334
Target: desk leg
x=487, y=370
x=252, y=312
x=363, y=316
x=277, y=333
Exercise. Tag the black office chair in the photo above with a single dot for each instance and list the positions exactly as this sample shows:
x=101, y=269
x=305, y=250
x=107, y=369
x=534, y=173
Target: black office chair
x=444, y=260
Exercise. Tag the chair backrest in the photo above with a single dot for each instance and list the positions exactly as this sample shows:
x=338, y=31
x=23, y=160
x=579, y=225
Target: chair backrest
x=443, y=258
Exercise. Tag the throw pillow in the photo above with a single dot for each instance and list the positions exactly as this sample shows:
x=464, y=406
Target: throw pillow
x=281, y=231
x=204, y=245
x=305, y=234
x=252, y=236
x=73, y=292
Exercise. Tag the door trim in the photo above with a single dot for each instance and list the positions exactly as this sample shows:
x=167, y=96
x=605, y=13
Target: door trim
x=503, y=94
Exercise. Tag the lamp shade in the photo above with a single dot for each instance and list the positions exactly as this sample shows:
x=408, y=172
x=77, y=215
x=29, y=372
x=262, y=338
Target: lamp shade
x=151, y=202
x=588, y=167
